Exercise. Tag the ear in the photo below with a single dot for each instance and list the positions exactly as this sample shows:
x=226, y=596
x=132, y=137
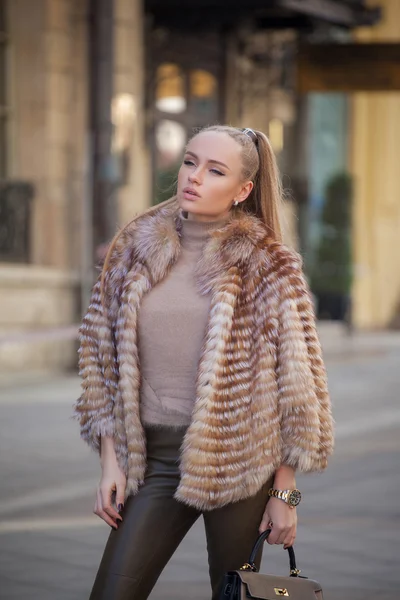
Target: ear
x=244, y=191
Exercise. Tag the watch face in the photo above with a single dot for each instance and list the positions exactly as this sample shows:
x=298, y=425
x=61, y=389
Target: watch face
x=294, y=498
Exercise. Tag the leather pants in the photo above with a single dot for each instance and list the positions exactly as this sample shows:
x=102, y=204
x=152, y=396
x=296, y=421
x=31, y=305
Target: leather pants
x=154, y=524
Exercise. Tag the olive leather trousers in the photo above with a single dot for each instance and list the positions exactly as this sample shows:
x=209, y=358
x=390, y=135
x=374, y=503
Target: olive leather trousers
x=154, y=524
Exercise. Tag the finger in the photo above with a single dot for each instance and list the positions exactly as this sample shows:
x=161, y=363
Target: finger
x=98, y=510
x=280, y=534
x=111, y=512
x=274, y=535
x=103, y=515
x=120, y=497
x=285, y=534
x=106, y=494
x=289, y=541
x=264, y=525
x=290, y=544
x=290, y=537
x=97, y=504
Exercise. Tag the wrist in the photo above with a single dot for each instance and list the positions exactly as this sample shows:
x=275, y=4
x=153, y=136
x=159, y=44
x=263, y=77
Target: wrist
x=285, y=478
x=107, y=452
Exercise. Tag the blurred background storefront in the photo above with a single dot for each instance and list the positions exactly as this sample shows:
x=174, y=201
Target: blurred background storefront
x=98, y=99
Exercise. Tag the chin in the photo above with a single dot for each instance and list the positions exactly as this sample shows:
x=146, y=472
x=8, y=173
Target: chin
x=188, y=205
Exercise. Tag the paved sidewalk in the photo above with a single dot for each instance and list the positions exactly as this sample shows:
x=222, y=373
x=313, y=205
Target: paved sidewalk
x=337, y=342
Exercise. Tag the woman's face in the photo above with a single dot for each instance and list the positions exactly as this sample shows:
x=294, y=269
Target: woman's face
x=209, y=179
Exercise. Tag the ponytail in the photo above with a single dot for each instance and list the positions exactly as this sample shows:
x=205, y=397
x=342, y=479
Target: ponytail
x=265, y=199
x=259, y=166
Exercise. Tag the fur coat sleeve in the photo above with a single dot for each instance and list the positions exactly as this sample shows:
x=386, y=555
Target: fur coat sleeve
x=303, y=398
x=94, y=408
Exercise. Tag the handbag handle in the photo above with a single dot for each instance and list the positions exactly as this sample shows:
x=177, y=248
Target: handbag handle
x=294, y=571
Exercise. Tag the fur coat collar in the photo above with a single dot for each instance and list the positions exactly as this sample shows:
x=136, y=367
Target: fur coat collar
x=262, y=397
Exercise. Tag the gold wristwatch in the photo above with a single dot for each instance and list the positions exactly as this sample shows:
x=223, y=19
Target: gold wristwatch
x=291, y=497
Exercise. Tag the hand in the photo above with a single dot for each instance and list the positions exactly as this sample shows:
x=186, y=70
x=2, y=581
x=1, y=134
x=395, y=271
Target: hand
x=113, y=481
x=282, y=520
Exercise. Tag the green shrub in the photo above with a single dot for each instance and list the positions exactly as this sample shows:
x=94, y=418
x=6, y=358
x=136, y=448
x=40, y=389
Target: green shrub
x=332, y=269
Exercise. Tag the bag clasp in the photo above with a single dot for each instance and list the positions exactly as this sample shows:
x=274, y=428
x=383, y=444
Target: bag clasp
x=281, y=592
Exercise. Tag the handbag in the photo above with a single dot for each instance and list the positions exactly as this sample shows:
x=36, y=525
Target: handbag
x=247, y=582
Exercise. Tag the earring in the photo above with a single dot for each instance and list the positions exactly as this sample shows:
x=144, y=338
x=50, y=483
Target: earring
x=236, y=203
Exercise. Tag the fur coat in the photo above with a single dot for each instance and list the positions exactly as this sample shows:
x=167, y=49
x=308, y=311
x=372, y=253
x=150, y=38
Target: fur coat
x=262, y=398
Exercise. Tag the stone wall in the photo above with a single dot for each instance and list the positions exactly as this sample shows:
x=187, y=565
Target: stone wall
x=48, y=97
x=48, y=82
x=38, y=305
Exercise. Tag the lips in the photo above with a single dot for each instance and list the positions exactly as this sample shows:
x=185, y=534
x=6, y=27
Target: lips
x=191, y=192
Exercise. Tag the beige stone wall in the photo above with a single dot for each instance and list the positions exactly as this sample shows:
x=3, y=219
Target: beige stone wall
x=27, y=84
x=48, y=91
x=129, y=81
x=33, y=296
x=375, y=150
x=49, y=98
x=36, y=299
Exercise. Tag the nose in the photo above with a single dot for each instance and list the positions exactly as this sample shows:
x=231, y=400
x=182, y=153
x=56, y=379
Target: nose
x=195, y=177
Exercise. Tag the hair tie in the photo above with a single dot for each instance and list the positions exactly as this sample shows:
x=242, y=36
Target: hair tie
x=251, y=134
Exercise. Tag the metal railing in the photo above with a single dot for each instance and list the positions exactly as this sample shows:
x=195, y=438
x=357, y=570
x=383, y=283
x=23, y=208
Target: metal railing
x=15, y=221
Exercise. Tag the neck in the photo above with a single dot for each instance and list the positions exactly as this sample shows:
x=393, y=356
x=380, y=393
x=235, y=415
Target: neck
x=205, y=218
x=194, y=233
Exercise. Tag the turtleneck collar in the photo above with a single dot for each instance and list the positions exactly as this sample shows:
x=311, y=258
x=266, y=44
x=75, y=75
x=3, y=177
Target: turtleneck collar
x=194, y=234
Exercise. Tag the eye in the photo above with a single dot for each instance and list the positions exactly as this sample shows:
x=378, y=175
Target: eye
x=188, y=162
x=217, y=172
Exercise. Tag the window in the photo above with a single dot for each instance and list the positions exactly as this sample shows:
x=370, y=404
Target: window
x=204, y=95
x=3, y=91
x=170, y=94
x=185, y=99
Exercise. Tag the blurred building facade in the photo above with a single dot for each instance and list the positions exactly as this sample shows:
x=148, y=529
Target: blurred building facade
x=95, y=131
x=44, y=66
x=373, y=160
x=47, y=142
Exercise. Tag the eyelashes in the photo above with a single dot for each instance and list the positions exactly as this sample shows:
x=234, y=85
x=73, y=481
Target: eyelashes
x=215, y=171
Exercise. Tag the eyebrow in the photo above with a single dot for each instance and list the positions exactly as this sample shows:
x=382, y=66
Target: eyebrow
x=210, y=160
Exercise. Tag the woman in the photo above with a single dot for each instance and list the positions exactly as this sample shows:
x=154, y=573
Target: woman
x=204, y=388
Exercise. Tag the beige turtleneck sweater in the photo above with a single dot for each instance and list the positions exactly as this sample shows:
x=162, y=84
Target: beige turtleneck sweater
x=172, y=323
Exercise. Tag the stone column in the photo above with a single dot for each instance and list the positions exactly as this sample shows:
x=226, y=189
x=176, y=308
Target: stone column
x=48, y=80
x=375, y=135
x=45, y=48
x=129, y=111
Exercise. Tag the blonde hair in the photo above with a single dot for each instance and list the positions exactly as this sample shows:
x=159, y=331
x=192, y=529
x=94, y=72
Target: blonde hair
x=259, y=166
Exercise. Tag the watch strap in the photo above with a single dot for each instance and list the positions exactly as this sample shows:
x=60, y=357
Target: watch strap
x=281, y=494
x=285, y=496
